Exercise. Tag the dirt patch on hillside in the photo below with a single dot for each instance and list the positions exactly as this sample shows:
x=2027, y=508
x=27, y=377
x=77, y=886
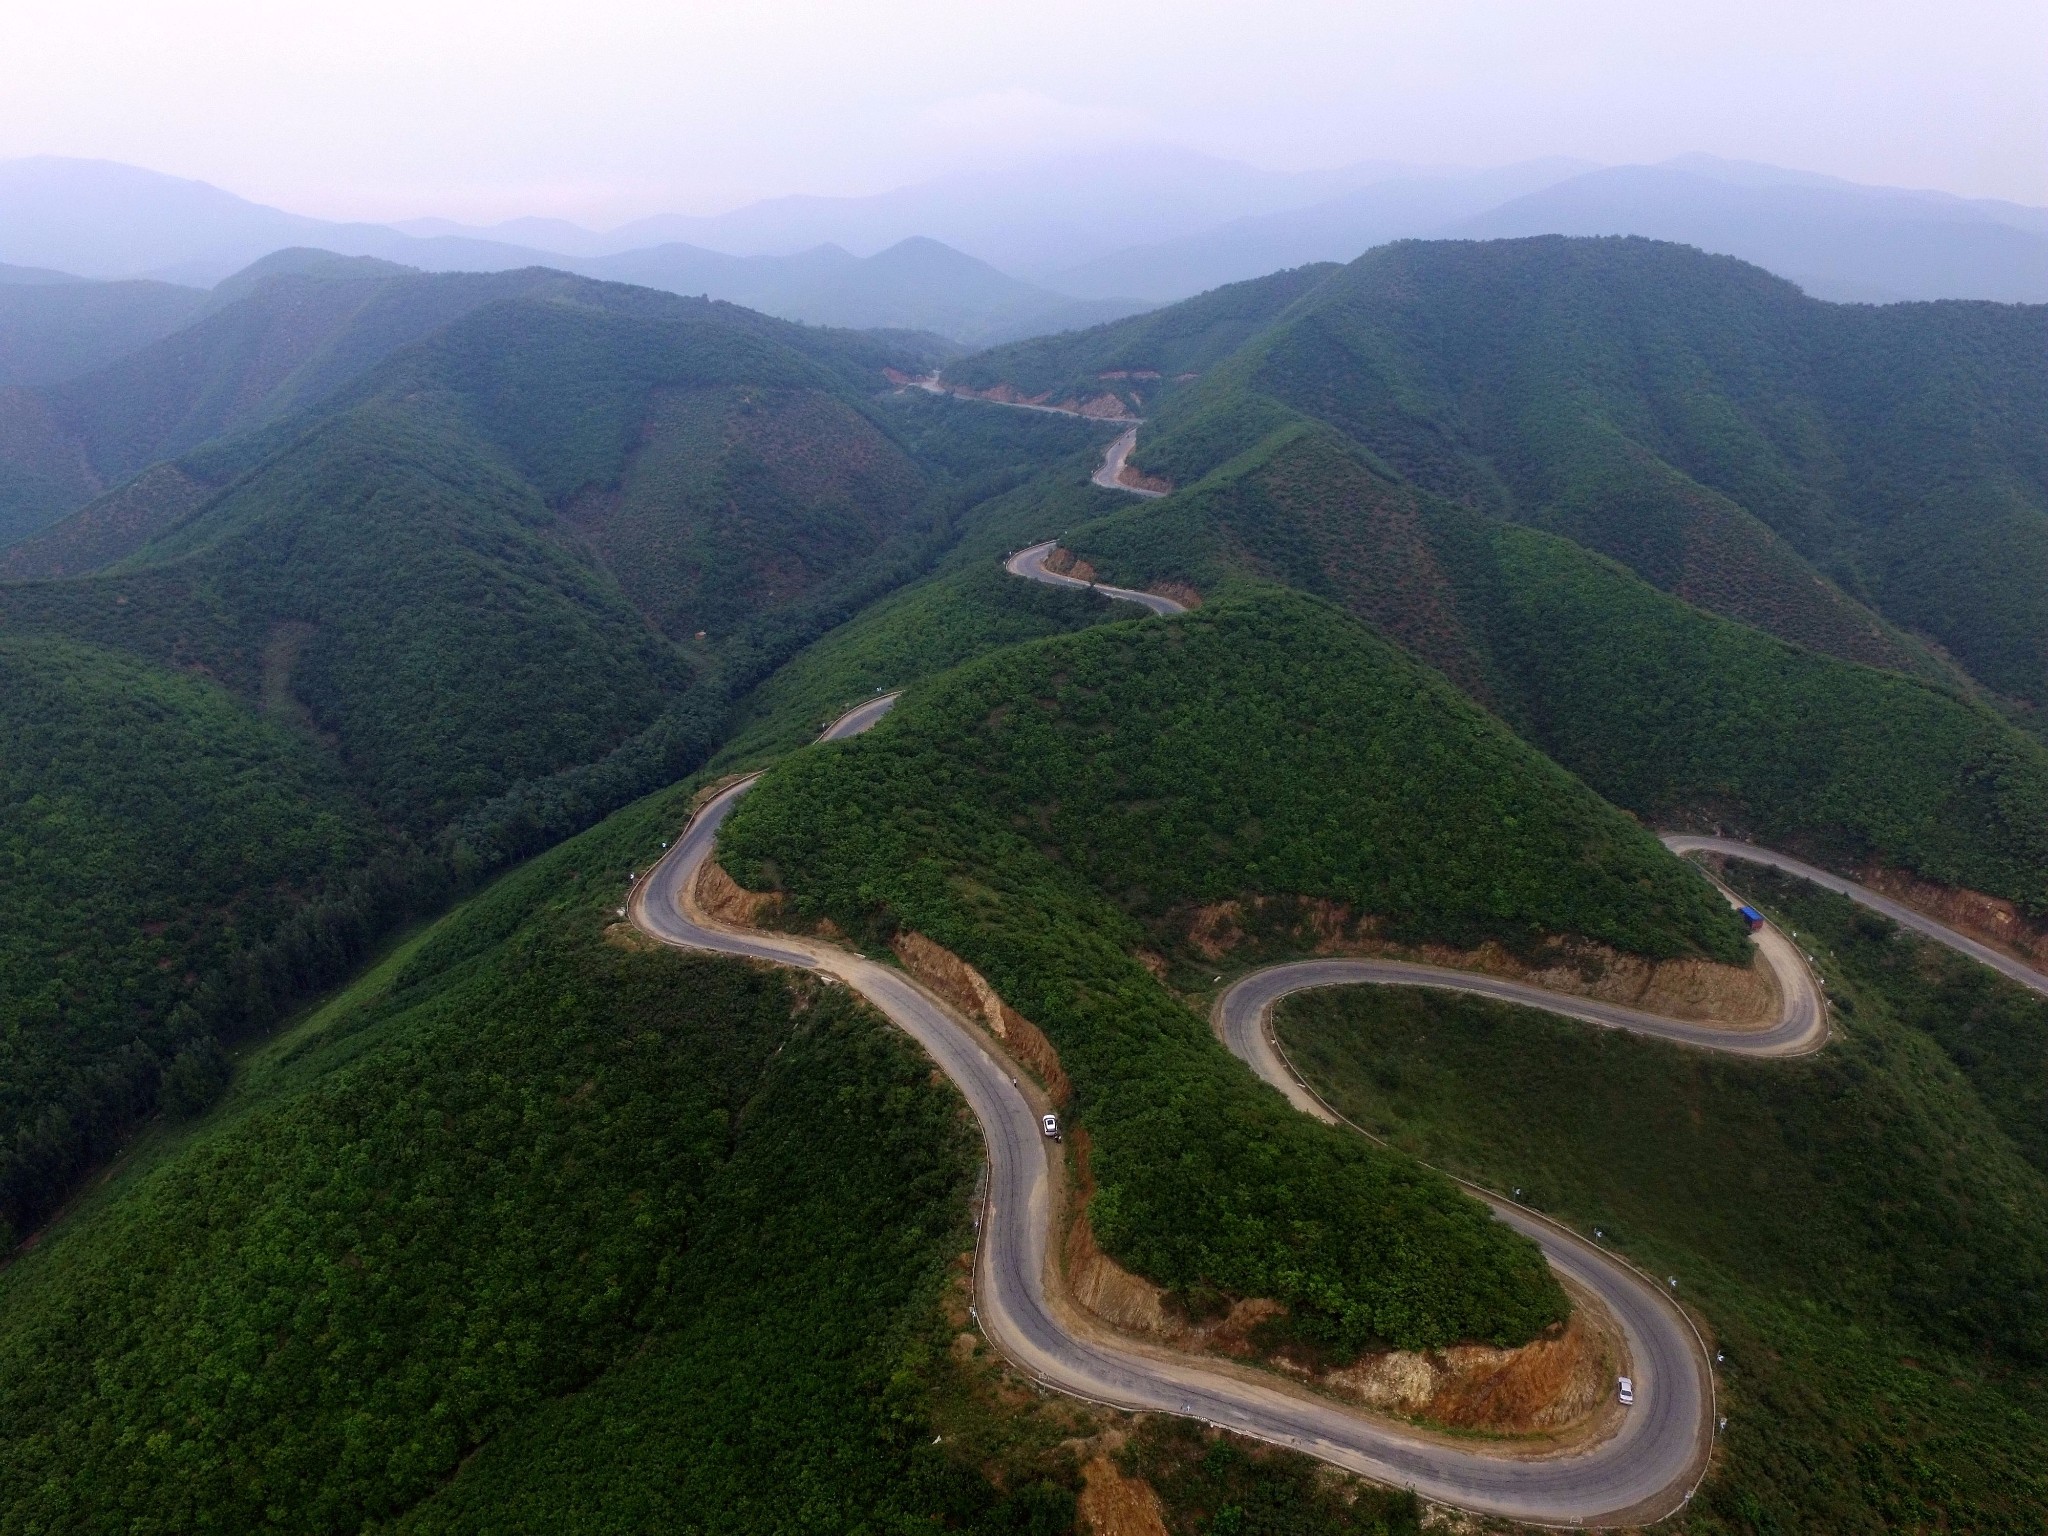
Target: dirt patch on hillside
x=1558, y=1382
x=720, y=896
x=1988, y=919
x=1138, y=480
x=1102, y=407
x=282, y=648
x=1065, y=562
x=1114, y=1505
x=968, y=990
x=1737, y=997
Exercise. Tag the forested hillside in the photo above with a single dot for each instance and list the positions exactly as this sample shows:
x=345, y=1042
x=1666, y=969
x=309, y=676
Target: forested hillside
x=279, y=337
x=50, y=331
x=1683, y=717
x=1145, y=359
x=541, y=1227
x=1783, y=461
x=593, y=1163
x=1053, y=809
x=175, y=866
x=509, y=579
x=374, y=584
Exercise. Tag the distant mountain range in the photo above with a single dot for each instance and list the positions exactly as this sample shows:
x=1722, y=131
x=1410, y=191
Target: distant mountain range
x=98, y=220
x=1024, y=249
x=1836, y=239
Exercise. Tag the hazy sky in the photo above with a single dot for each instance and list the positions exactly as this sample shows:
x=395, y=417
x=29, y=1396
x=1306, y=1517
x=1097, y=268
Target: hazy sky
x=605, y=109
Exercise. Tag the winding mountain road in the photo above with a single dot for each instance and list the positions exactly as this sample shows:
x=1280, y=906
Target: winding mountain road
x=1641, y=1472
x=1111, y=474
x=1905, y=916
x=1030, y=564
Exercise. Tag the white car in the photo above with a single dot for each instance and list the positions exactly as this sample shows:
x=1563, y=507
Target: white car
x=1052, y=1126
x=1628, y=1392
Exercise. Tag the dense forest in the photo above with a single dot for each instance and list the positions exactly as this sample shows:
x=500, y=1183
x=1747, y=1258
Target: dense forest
x=687, y=1232
x=572, y=1155
x=154, y=832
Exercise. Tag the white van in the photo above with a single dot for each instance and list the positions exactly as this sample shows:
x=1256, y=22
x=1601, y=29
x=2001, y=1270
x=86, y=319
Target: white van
x=1052, y=1126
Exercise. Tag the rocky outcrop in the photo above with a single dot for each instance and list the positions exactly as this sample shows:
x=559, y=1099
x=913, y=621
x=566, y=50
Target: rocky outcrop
x=1553, y=1383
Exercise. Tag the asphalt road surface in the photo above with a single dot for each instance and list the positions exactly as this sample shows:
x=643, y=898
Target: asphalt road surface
x=1640, y=1473
x=1030, y=564
x=1862, y=895
x=1110, y=475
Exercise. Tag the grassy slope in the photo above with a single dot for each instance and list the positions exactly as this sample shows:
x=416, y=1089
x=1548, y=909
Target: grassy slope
x=153, y=831
x=1863, y=1230
x=1672, y=712
x=1047, y=810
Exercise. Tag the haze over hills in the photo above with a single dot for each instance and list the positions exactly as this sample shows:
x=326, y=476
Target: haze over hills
x=1119, y=229
x=1028, y=216
x=1836, y=239
x=282, y=335
x=54, y=327
x=97, y=220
